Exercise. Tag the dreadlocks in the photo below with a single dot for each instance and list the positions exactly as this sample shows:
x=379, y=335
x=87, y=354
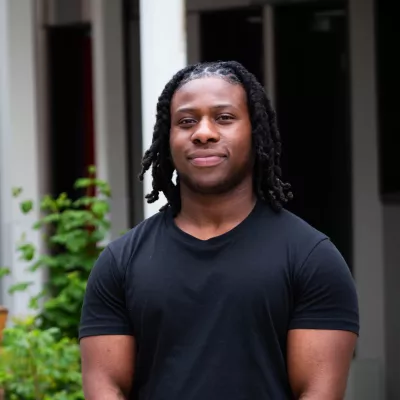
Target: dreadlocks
x=268, y=185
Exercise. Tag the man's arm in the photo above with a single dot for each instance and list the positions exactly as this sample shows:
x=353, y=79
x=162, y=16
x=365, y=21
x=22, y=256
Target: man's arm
x=106, y=336
x=319, y=363
x=324, y=327
x=107, y=367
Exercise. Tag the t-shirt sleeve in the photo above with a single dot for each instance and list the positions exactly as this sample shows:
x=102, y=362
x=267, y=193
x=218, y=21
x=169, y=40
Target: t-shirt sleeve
x=104, y=311
x=325, y=296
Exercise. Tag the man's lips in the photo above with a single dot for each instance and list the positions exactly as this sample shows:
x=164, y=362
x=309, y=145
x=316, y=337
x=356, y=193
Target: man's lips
x=207, y=161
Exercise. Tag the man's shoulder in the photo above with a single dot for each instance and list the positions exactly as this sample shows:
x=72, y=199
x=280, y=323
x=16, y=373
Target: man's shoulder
x=298, y=226
x=290, y=226
x=291, y=235
x=125, y=246
x=308, y=245
x=139, y=232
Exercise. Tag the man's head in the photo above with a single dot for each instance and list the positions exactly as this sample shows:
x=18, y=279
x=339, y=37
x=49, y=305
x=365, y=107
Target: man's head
x=216, y=128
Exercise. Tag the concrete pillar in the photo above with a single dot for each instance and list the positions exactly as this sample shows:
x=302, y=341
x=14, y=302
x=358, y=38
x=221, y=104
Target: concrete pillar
x=269, y=51
x=193, y=38
x=163, y=53
x=367, y=208
x=20, y=154
x=109, y=107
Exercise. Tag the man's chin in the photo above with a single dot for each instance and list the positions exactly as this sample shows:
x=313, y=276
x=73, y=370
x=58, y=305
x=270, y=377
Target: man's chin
x=210, y=188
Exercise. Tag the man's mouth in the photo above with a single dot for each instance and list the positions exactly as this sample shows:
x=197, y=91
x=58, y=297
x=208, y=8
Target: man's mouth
x=207, y=161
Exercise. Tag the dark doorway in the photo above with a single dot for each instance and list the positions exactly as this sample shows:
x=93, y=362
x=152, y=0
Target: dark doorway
x=70, y=104
x=234, y=34
x=388, y=86
x=312, y=86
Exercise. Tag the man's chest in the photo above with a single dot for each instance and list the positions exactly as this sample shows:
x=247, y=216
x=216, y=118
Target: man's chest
x=183, y=290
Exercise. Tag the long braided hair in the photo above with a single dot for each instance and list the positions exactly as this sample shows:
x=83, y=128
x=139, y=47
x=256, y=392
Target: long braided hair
x=267, y=147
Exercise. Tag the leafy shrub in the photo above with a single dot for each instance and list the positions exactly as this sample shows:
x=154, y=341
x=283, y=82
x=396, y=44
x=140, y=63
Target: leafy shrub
x=36, y=365
x=39, y=357
x=74, y=230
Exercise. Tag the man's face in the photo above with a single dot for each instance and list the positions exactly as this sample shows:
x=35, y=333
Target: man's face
x=211, y=135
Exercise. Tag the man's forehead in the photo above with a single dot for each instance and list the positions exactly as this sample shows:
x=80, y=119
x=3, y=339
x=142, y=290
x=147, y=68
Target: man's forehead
x=215, y=90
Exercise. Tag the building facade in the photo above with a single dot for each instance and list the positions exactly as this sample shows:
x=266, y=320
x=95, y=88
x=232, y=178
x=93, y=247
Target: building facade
x=111, y=59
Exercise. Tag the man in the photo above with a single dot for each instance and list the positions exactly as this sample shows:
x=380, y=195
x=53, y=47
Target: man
x=223, y=295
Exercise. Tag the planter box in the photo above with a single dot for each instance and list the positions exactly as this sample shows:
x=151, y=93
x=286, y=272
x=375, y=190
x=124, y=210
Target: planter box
x=3, y=319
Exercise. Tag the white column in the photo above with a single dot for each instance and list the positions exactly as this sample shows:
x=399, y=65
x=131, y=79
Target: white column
x=163, y=53
x=109, y=107
x=367, y=209
x=19, y=142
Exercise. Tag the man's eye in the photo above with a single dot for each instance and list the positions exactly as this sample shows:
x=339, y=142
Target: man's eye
x=186, y=121
x=225, y=117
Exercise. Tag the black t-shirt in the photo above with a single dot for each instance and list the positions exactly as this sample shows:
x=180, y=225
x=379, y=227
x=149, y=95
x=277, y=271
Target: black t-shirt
x=211, y=317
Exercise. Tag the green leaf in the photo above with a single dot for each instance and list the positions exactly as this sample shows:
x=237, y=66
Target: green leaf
x=26, y=206
x=100, y=208
x=34, y=301
x=49, y=219
x=4, y=272
x=63, y=201
x=84, y=201
x=43, y=261
x=103, y=187
x=27, y=251
x=92, y=169
x=84, y=183
x=16, y=191
x=19, y=287
x=48, y=204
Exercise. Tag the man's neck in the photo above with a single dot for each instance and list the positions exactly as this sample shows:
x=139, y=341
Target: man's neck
x=206, y=216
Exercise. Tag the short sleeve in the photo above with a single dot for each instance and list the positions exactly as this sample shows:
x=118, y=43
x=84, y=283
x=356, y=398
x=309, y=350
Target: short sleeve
x=104, y=311
x=325, y=296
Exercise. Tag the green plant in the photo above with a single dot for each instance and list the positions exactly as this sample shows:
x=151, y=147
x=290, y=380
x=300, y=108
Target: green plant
x=36, y=365
x=74, y=230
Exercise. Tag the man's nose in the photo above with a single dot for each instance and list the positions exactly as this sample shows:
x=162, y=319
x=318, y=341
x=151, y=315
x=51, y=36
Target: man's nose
x=206, y=132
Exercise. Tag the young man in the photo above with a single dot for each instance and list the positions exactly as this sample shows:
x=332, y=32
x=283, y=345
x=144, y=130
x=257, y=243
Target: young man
x=223, y=295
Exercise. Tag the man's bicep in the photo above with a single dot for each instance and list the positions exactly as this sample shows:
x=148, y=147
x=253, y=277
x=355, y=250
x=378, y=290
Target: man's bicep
x=104, y=310
x=325, y=296
x=107, y=366
x=324, y=325
x=318, y=362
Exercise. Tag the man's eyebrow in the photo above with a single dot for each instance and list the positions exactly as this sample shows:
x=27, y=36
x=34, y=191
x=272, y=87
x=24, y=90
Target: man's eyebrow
x=225, y=105
x=216, y=107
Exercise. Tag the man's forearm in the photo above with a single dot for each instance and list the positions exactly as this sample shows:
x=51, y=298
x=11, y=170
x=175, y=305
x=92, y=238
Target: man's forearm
x=100, y=393
x=320, y=395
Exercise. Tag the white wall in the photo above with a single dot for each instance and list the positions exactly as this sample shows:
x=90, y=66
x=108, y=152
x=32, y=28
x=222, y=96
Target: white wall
x=109, y=107
x=162, y=54
x=367, y=209
x=21, y=159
